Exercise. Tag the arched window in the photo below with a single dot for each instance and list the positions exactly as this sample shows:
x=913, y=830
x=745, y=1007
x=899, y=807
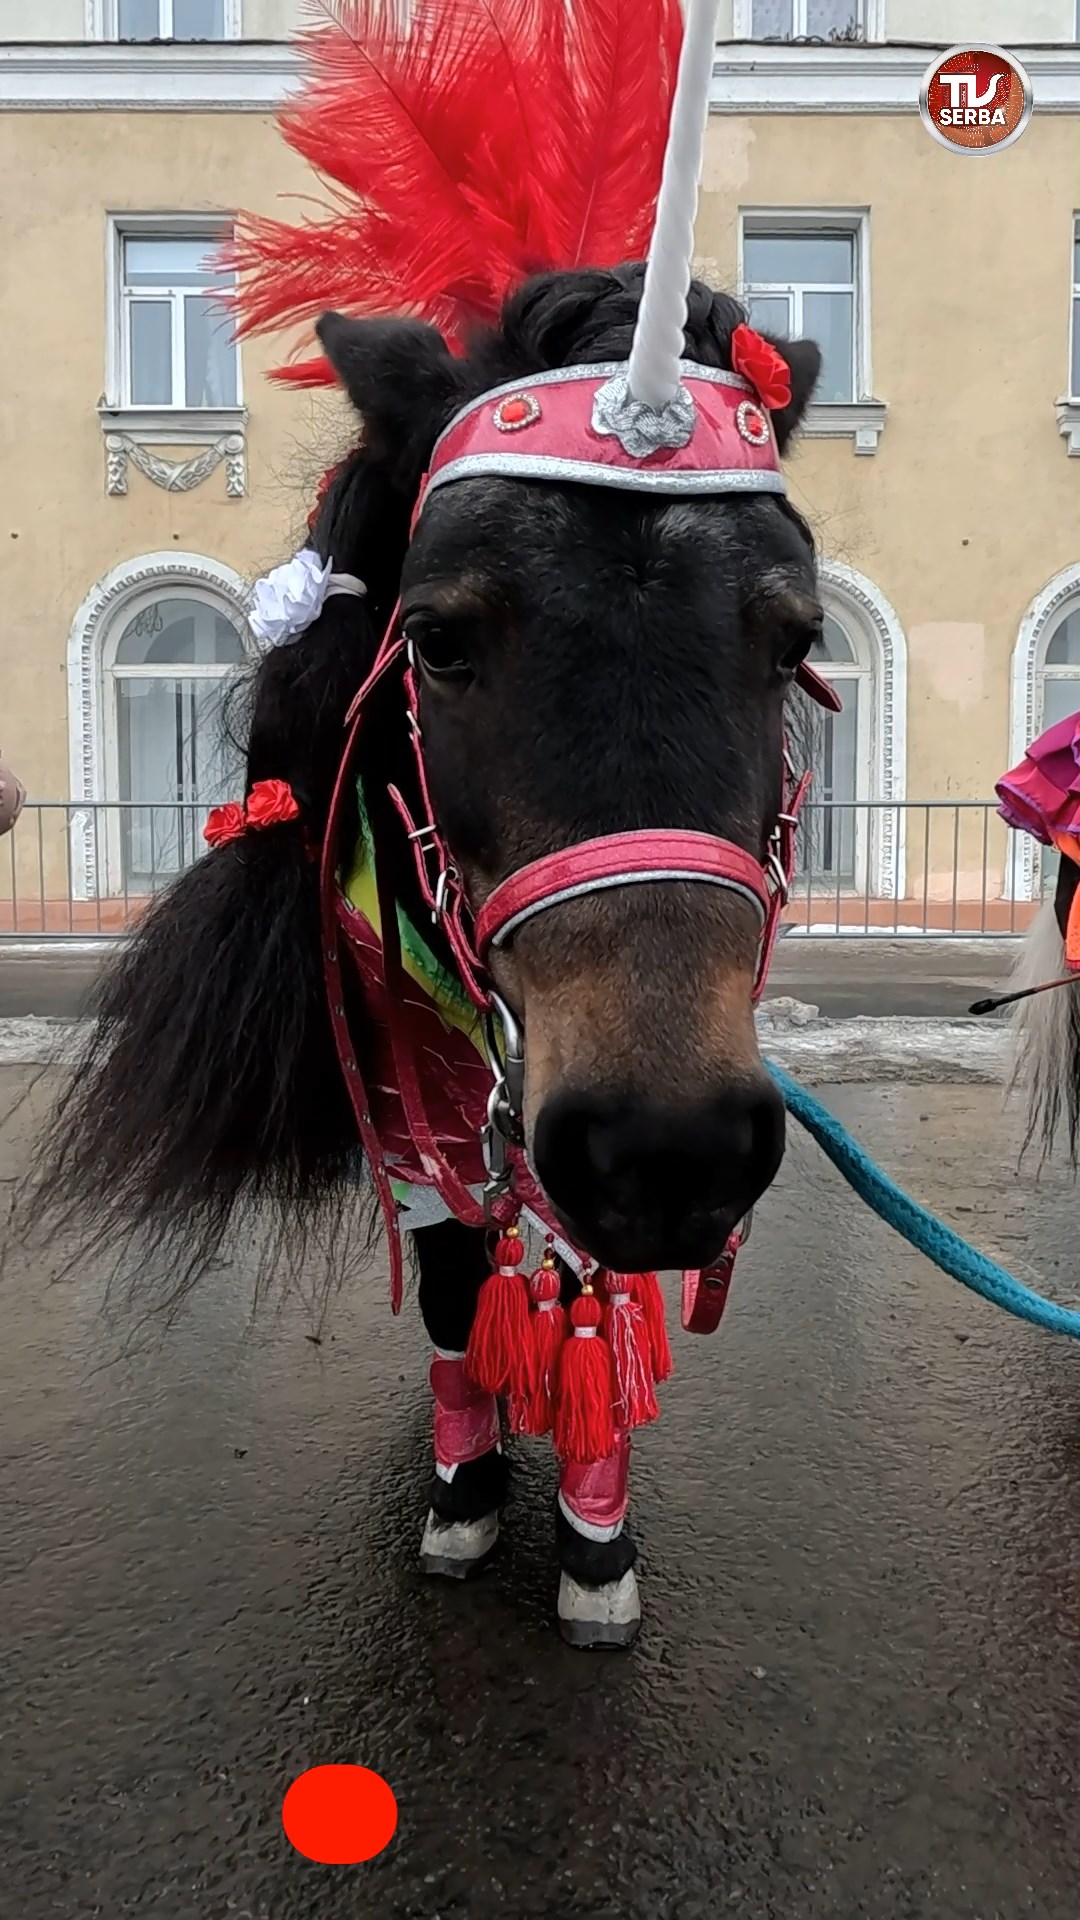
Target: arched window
x=172, y=761
x=853, y=836
x=834, y=848
x=1045, y=689
x=150, y=653
x=1059, y=689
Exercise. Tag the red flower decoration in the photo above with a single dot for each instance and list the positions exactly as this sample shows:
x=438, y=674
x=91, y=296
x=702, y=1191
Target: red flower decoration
x=224, y=824
x=271, y=803
x=765, y=368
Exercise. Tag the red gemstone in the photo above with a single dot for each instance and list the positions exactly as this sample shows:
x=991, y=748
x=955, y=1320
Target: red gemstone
x=755, y=422
x=516, y=411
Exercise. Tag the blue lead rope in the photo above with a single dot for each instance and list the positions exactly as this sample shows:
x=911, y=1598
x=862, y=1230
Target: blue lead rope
x=913, y=1223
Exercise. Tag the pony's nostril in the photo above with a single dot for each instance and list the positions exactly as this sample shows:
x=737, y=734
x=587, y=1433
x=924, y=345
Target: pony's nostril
x=604, y=1160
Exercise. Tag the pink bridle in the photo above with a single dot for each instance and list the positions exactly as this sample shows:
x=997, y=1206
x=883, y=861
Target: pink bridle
x=560, y=433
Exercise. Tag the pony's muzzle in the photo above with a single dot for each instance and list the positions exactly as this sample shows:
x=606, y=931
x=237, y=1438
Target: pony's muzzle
x=640, y=1185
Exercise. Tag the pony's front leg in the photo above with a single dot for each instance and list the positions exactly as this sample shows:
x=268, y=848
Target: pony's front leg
x=470, y=1480
x=599, y=1604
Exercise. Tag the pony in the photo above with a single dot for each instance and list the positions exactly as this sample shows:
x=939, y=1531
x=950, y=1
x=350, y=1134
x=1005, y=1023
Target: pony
x=586, y=661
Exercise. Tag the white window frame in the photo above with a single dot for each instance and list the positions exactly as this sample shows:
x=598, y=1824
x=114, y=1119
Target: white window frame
x=862, y=418
x=1067, y=407
x=877, y=638
x=871, y=18
x=111, y=843
x=103, y=22
x=1074, y=300
x=1059, y=597
x=118, y=402
x=95, y=633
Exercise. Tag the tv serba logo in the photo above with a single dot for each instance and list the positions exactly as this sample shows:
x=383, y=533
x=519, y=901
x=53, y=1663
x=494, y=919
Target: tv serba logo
x=976, y=99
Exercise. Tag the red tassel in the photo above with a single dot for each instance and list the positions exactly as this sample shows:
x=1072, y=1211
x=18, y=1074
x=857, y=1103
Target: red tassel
x=584, y=1417
x=498, y=1352
x=547, y=1329
x=628, y=1338
x=646, y=1291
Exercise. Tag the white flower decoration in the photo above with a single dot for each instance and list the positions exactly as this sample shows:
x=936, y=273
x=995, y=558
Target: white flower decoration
x=290, y=599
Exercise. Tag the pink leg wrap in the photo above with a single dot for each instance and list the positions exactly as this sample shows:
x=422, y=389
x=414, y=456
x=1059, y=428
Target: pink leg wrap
x=594, y=1498
x=466, y=1418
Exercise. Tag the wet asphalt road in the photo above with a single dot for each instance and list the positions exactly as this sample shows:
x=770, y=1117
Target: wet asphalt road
x=857, y=1688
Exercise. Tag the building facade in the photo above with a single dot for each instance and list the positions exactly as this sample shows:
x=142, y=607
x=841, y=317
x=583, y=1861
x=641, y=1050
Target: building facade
x=152, y=470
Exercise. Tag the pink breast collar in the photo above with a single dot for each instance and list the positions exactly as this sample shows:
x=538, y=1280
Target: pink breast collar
x=522, y=432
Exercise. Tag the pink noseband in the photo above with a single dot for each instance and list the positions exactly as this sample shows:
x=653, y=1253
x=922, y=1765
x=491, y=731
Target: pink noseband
x=618, y=860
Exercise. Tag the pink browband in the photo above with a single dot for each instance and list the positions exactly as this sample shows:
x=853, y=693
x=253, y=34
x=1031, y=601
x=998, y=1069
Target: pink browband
x=559, y=427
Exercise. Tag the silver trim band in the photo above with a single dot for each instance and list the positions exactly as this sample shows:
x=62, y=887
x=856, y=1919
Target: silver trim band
x=585, y=1527
x=585, y=887
x=593, y=473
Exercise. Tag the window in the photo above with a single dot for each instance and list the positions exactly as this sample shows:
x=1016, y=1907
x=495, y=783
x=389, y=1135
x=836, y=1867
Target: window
x=801, y=19
x=1059, y=680
x=172, y=19
x=1074, y=358
x=1057, y=697
x=170, y=759
x=801, y=282
x=852, y=835
x=176, y=347
x=832, y=848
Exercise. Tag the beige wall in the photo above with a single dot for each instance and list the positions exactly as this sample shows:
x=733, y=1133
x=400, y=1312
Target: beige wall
x=970, y=504
x=42, y=19
x=271, y=19
x=1011, y=23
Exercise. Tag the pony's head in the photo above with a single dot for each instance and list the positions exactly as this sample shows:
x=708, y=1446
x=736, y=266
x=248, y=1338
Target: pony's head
x=593, y=661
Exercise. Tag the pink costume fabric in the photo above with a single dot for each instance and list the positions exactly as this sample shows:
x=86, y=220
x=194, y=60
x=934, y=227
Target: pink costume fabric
x=595, y=1496
x=1042, y=795
x=466, y=1418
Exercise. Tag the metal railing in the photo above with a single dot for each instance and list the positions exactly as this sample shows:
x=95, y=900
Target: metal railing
x=88, y=870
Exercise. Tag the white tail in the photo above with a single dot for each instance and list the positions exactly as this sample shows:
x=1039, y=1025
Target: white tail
x=1046, y=1036
x=653, y=371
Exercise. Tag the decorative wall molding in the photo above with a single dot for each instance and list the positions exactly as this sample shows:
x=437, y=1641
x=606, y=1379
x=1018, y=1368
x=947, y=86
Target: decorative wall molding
x=862, y=421
x=176, y=476
x=1036, y=627
x=252, y=76
x=857, y=599
x=225, y=76
x=96, y=619
x=1068, y=419
x=802, y=77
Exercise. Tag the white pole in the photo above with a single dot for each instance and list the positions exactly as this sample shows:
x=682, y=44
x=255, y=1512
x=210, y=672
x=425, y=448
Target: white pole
x=653, y=371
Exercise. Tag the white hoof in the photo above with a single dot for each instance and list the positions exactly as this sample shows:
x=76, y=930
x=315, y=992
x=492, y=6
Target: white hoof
x=456, y=1549
x=600, y=1616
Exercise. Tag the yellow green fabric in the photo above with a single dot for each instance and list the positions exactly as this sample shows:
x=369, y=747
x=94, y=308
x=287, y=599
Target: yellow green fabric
x=360, y=890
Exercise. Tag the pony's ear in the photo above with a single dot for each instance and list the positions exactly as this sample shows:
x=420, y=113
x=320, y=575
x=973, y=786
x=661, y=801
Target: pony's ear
x=403, y=381
x=803, y=359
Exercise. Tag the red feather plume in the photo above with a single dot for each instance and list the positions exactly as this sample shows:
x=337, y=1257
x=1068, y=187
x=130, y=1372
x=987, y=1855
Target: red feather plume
x=482, y=141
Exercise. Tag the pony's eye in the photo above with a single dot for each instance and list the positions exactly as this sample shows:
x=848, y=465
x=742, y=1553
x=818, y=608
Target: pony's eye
x=439, y=649
x=796, y=645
